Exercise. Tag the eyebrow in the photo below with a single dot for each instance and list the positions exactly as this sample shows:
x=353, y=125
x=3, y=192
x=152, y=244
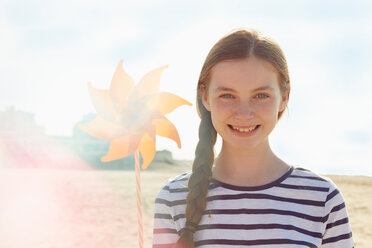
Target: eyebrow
x=220, y=88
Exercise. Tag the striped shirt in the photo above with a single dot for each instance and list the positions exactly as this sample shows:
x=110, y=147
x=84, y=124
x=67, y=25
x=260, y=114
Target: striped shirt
x=300, y=209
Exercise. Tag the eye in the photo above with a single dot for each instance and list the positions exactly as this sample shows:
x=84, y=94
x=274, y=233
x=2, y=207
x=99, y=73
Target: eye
x=261, y=96
x=227, y=96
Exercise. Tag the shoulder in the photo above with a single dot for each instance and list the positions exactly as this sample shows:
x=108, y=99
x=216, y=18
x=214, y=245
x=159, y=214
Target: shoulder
x=175, y=186
x=178, y=182
x=302, y=176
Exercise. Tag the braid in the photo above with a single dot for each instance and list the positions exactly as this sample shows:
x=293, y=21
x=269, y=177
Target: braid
x=196, y=200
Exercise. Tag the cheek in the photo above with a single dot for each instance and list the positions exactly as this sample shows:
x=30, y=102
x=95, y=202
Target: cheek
x=221, y=107
x=267, y=108
x=217, y=121
x=220, y=113
x=271, y=106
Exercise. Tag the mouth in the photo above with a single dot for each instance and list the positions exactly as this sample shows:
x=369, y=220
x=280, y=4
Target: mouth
x=247, y=129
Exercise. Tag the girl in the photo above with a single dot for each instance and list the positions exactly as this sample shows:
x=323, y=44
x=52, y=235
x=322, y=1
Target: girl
x=246, y=196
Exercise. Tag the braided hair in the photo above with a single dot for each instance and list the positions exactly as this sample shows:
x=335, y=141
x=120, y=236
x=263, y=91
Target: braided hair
x=239, y=44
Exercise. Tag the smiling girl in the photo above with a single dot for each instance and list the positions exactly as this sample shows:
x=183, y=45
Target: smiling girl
x=247, y=196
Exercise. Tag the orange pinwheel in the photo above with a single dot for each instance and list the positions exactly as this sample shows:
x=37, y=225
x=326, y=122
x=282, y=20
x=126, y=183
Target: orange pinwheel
x=130, y=116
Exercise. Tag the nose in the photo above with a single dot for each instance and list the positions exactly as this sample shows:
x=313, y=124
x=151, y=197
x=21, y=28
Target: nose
x=244, y=110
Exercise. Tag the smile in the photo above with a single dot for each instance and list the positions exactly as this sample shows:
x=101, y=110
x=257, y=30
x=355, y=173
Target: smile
x=244, y=130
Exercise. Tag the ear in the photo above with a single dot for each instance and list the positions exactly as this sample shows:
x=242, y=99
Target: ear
x=284, y=101
x=204, y=96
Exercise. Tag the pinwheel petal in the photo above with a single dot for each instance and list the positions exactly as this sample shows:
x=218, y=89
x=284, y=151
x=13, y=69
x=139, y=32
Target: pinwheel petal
x=165, y=102
x=103, y=129
x=149, y=84
x=122, y=147
x=102, y=103
x=147, y=148
x=165, y=128
x=121, y=85
x=130, y=116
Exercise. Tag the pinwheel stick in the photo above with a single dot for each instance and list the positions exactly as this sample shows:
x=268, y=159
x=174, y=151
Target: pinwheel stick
x=139, y=201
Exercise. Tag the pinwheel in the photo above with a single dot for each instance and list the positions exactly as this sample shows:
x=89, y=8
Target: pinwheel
x=129, y=117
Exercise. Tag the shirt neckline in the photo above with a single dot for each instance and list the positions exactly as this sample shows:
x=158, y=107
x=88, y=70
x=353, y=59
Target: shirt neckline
x=218, y=183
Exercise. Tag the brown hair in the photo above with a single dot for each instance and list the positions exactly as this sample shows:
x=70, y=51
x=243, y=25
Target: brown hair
x=239, y=44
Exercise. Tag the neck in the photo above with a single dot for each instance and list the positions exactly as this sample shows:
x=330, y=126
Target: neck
x=251, y=167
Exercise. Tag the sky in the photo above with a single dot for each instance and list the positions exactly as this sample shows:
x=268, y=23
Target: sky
x=50, y=50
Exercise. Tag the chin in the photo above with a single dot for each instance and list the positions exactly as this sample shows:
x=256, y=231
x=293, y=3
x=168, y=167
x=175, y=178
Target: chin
x=244, y=145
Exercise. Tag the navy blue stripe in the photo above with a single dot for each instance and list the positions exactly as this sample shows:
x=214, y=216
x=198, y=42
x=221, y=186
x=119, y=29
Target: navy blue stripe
x=334, y=209
x=337, y=223
x=301, y=169
x=213, y=185
x=179, y=190
x=246, y=196
x=338, y=207
x=265, y=196
x=253, y=188
x=252, y=242
x=260, y=226
x=337, y=238
x=288, y=186
x=266, y=211
x=183, y=190
x=179, y=179
x=300, y=187
x=170, y=203
x=180, y=216
x=166, y=187
x=258, y=211
x=332, y=194
x=163, y=216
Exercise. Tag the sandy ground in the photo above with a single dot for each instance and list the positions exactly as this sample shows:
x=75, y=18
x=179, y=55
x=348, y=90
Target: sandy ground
x=357, y=191
x=97, y=209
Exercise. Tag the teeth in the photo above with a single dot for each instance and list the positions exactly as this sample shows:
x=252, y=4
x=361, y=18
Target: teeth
x=244, y=129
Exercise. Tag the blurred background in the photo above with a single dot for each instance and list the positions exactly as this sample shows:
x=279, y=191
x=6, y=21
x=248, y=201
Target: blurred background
x=51, y=49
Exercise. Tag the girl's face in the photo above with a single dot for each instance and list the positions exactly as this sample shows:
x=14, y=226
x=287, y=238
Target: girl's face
x=244, y=99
